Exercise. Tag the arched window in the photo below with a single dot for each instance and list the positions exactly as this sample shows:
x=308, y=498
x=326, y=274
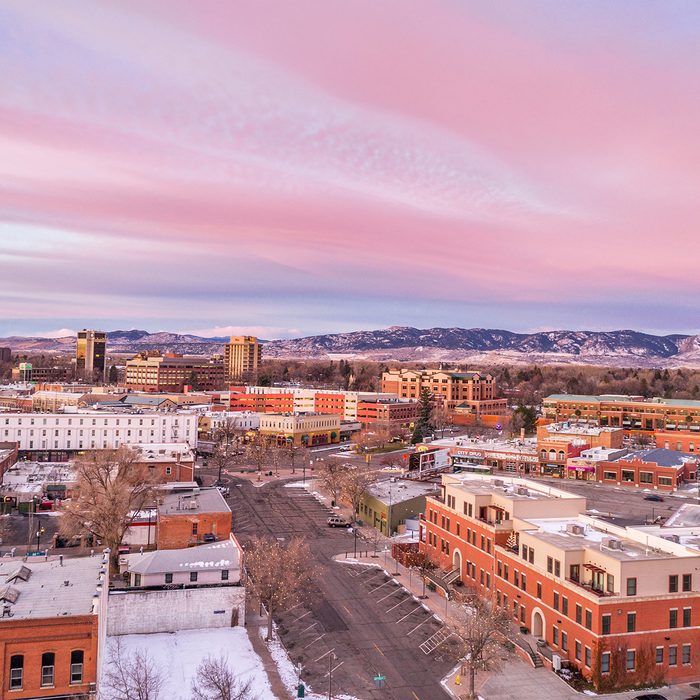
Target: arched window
x=48, y=660
x=552, y=455
x=561, y=455
x=16, y=671
x=543, y=454
x=76, y=666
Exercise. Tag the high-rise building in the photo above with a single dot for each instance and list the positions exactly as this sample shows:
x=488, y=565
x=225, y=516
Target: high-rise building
x=5, y=354
x=242, y=358
x=90, y=354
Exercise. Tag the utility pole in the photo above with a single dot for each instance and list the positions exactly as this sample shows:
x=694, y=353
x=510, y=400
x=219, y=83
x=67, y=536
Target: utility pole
x=331, y=658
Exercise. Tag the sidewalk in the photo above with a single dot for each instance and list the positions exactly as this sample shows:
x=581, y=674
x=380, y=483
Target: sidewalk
x=530, y=682
x=254, y=623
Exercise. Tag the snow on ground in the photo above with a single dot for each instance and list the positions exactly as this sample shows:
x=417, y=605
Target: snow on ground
x=288, y=672
x=178, y=654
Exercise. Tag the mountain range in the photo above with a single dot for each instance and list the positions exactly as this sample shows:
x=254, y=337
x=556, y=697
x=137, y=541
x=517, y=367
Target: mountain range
x=404, y=343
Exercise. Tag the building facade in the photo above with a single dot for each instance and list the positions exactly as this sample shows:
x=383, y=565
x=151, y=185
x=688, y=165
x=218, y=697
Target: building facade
x=304, y=429
x=242, y=357
x=656, y=468
x=173, y=372
x=91, y=354
x=621, y=604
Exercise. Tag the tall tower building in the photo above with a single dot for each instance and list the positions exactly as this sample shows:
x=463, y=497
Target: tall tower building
x=242, y=358
x=90, y=354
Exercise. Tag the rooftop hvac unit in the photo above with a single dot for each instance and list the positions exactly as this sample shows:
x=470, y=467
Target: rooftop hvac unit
x=673, y=538
x=522, y=491
x=612, y=543
x=498, y=482
x=574, y=529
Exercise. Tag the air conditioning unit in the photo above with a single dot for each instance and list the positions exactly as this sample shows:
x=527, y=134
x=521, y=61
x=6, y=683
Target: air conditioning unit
x=574, y=529
x=522, y=491
x=498, y=482
x=612, y=543
x=673, y=538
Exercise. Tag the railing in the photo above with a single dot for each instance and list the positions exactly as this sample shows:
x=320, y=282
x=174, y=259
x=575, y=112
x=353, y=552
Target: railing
x=587, y=585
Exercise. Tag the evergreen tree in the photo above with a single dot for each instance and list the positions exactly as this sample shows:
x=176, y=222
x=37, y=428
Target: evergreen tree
x=423, y=426
x=113, y=374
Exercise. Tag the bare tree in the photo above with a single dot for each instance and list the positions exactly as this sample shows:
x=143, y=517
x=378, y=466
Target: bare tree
x=331, y=475
x=367, y=440
x=130, y=676
x=261, y=452
x=421, y=563
x=112, y=488
x=279, y=576
x=481, y=630
x=221, y=459
x=227, y=432
x=296, y=455
x=216, y=680
x=440, y=419
x=355, y=483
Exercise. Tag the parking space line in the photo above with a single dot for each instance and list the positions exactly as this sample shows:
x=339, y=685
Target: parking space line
x=313, y=624
x=320, y=636
x=414, y=695
x=401, y=602
x=301, y=617
x=420, y=624
x=330, y=651
x=333, y=670
x=418, y=607
x=386, y=596
x=374, y=590
x=379, y=650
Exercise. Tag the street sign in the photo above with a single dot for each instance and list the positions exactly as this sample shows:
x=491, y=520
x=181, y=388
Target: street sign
x=379, y=681
x=380, y=678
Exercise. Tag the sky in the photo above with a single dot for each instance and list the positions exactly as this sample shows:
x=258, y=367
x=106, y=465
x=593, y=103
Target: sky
x=292, y=168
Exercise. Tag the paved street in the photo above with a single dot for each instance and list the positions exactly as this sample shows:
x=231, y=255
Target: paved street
x=357, y=613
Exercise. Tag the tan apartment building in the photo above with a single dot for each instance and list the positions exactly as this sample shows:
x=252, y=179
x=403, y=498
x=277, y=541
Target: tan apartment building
x=166, y=372
x=307, y=429
x=242, y=358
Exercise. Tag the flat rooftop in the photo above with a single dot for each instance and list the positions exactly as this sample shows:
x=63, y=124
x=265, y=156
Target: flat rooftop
x=511, y=487
x=568, y=428
x=662, y=457
x=215, y=556
x=524, y=446
x=44, y=589
x=621, y=398
x=400, y=490
x=195, y=501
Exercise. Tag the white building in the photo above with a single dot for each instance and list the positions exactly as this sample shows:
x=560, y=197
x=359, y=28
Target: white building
x=85, y=430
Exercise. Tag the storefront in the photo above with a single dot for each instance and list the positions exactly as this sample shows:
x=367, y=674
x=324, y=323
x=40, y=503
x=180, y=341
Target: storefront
x=581, y=472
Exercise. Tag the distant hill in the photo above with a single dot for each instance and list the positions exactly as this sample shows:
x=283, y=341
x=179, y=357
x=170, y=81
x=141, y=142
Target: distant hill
x=404, y=343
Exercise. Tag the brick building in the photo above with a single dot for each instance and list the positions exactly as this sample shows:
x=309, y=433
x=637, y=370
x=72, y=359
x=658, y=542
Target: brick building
x=187, y=518
x=173, y=372
x=397, y=413
x=472, y=392
x=621, y=604
x=53, y=626
x=172, y=461
x=303, y=429
x=633, y=413
x=656, y=468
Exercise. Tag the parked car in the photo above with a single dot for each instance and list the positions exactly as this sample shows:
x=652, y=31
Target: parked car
x=337, y=521
x=209, y=537
x=650, y=696
x=654, y=497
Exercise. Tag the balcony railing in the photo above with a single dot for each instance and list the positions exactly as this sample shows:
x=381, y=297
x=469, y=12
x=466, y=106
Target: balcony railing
x=588, y=585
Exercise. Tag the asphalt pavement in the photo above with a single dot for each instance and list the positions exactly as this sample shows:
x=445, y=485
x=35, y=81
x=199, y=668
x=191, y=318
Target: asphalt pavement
x=350, y=624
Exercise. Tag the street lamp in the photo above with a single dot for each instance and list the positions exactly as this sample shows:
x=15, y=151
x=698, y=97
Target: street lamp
x=39, y=532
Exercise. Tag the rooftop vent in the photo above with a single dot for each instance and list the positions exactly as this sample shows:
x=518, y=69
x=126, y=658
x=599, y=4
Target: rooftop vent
x=21, y=572
x=522, y=491
x=498, y=482
x=574, y=529
x=6, y=610
x=8, y=594
x=673, y=538
x=611, y=543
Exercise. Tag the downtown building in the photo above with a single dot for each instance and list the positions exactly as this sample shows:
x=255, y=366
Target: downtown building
x=242, y=358
x=91, y=355
x=622, y=604
x=170, y=372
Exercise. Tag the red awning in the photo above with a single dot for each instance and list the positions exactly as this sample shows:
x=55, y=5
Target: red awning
x=593, y=567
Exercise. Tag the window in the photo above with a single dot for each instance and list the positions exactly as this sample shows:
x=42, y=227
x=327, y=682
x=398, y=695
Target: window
x=605, y=627
x=673, y=583
x=550, y=565
x=505, y=571
x=555, y=636
x=565, y=606
x=687, y=582
x=631, y=659
x=579, y=613
x=631, y=586
x=610, y=584
x=531, y=556
x=557, y=567
x=627, y=475
x=556, y=601
x=524, y=552
x=499, y=568
x=47, y=667
x=522, y=613
x=168, y=578
x=577, y=650
x=588, y=657
x=16, y=671
x=539, y=590
x=605, y=662
x=686, y=617
x=673, y=656
x=516, y=579
x=523, y=582
x=574, y=572
x=673, y=618
x=610, y=476
x=686, y=654
x=646, y=477
x=631, y=622
x=76, y=666
x=193, y=576
x=665, y=481
x=564, y=641
x=224, y=574
x=195, y=528
x=589, y=619
x=137, y=579
x=659, y=655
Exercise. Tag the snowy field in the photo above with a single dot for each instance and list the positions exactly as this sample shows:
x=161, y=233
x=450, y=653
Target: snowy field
x=178, y=654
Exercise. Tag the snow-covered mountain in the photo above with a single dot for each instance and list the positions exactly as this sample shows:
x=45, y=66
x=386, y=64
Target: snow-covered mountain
x=404, y=343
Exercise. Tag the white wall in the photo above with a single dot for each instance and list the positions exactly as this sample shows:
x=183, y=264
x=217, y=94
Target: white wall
x=144, y=612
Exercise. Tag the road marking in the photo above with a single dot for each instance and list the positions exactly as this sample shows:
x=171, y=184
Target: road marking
x=303, y=616
x=313, y=624
x=335, y=668
x=374, y=590
x=401, y=602
x=324, y=655
x=386, y=596
x=347, y=611
x=379, y=650
x=320, y=636
x=414, y=695
x=417, y=626
x=416, y=609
